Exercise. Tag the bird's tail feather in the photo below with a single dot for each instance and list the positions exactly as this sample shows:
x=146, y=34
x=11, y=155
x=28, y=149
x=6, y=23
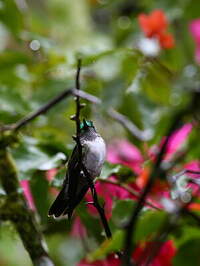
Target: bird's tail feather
x=59, y=205
x=63, y=205
x=76, y=201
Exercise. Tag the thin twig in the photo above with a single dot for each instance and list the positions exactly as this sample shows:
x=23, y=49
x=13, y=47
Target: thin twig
x=156, y=172
x=185, y=171
x=157, y=244
x=169, y=225
x=42, y=110
x=84, y=95
x=77, y=116
x=96, y=203
x=130, y=190
x=132, y=128
x=46, y=107
x=81, y=165
x=139, y=134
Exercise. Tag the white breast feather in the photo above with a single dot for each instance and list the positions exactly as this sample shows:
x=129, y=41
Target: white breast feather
x=94, y=155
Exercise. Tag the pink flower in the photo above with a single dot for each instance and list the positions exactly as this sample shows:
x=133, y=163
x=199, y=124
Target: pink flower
x=108, y=192
x=195, y=31
x=78, y=229
x=49, y=175
x=175, y=143
x=194, y=166
x=178, y=138
x=27, y=194
x=123, y=152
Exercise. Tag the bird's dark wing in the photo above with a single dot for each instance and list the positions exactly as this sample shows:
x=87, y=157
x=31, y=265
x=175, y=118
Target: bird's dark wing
x=73, y=190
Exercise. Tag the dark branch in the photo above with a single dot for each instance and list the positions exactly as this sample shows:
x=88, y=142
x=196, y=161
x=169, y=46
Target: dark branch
x=76, y=118
x=126, y=123
x=149, y=254
x=139, y=134
x=156, y=172
x=84, y=95
x=130, y=190
x=42, y=110
x=185, y=171
x=171, y=222
x=17, y=212
x=46, y=107
x=96, y=203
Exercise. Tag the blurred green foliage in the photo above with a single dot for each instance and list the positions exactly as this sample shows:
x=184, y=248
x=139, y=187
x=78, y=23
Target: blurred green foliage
x=40, y=42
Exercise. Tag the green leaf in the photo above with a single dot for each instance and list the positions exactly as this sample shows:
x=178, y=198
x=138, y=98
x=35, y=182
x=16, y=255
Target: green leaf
x=129, y=99
x=121, y=211
x=11, y=16
x=115, y=169
x=188, y=253
x=89, y=221
x=59, y=177
x=93, y=58
x=30, y=158
x=11, y=101
x=156, y=83
x=40, y=188
x=11, y=58
x=148, y=224
x=112, y=245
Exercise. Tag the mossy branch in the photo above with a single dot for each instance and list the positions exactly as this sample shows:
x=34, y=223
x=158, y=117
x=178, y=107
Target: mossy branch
x=14, y=209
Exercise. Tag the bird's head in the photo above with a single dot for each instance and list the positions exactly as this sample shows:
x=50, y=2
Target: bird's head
x=87, y=125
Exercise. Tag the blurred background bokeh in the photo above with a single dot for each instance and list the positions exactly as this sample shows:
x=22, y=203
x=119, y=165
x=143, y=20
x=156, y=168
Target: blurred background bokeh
x=40, y=42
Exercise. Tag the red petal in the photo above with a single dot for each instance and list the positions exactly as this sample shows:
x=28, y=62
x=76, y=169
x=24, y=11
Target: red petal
x=153, y=24
x=166, y=40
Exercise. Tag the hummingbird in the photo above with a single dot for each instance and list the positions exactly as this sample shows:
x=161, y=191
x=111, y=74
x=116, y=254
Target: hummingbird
x=75, y=184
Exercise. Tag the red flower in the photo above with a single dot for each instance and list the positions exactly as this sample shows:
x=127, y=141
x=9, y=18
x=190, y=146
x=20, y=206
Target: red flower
x=109, y=261
x=78, y=229
x=163, y=258
x=166, y=40
x=155, y=26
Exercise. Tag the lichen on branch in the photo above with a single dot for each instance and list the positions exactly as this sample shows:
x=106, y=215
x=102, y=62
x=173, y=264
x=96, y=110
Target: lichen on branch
x=13, y=207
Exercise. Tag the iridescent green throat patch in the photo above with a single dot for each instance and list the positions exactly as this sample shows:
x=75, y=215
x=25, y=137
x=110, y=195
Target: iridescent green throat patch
x=86, y=124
